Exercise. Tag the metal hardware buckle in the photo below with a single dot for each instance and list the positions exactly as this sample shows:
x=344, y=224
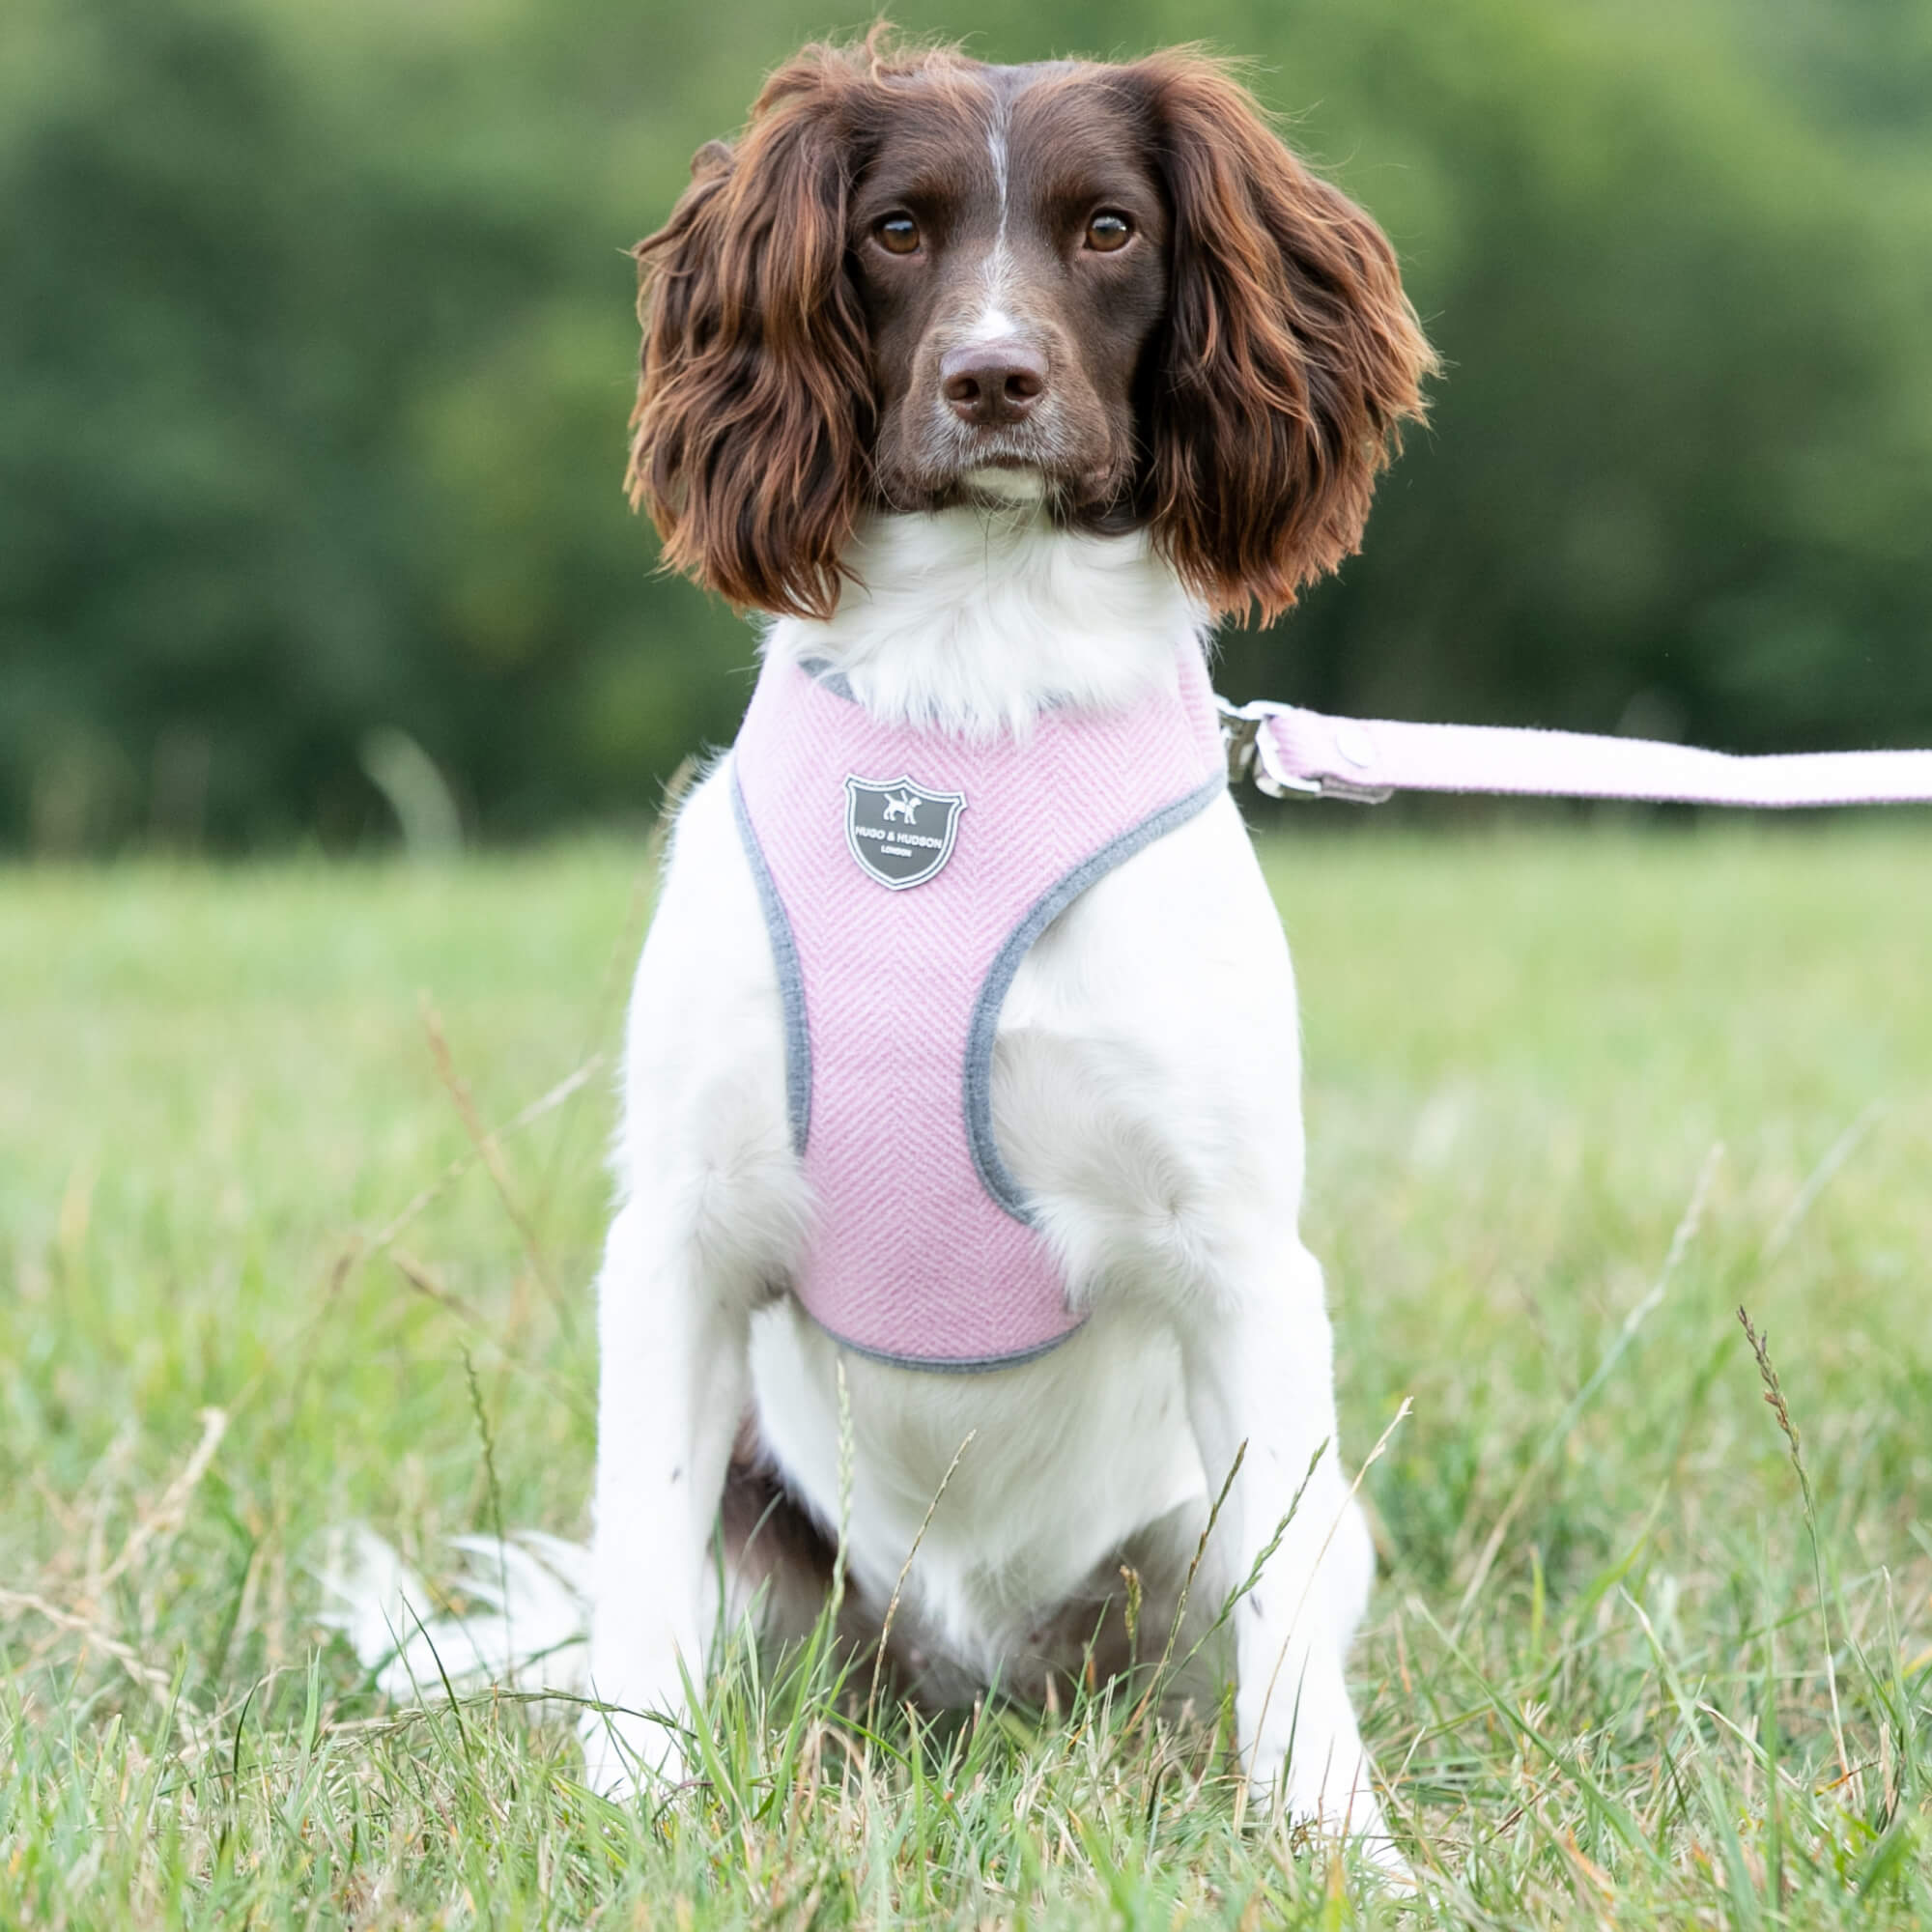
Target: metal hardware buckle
x=1240, y=729
x=1241, y=735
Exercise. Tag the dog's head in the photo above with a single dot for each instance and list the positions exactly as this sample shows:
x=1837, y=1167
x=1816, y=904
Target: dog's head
x=917, y=281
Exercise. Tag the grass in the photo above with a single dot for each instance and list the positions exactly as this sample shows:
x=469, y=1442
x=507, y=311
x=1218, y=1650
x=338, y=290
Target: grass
x=1574, y=1096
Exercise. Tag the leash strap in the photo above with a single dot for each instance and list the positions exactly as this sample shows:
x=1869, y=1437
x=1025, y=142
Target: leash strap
x=1288, y=750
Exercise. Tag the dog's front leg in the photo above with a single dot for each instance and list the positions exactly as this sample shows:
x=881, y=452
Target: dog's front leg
x=1259, y=1373
x=671, y=1391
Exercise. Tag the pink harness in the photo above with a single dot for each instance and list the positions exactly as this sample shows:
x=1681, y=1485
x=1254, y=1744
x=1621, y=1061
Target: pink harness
x=904, y=873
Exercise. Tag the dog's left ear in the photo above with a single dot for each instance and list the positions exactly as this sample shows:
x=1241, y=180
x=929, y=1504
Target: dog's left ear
x=1291, y=356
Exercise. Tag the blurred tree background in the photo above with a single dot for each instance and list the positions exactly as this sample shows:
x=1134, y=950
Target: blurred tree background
x=316, y=352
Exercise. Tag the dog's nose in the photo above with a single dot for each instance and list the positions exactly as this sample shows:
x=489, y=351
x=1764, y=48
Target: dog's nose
x=992, y=381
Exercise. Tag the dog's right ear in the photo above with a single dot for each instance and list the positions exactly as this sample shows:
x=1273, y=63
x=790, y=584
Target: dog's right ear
x=754, y=393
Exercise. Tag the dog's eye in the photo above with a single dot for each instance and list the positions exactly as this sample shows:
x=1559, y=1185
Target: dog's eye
x=1108, y=229
x=897, y=233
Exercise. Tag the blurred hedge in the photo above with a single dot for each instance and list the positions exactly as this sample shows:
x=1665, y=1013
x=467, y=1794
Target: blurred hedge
x=317, y=344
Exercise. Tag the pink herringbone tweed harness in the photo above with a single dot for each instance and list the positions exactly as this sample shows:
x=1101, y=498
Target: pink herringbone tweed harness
x=904, y=872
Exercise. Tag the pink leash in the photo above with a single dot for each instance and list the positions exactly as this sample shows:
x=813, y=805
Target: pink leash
x=1286, y=749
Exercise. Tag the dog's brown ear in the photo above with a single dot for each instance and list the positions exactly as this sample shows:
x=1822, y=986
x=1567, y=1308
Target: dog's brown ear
x=755, y=396
x=1291, y=356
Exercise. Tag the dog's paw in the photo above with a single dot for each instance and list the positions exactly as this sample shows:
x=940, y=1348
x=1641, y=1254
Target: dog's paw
x=627, y=1753
x=1336, y=1800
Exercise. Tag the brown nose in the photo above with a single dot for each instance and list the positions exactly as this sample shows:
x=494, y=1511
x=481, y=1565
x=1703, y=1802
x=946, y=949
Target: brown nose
x=992, y=381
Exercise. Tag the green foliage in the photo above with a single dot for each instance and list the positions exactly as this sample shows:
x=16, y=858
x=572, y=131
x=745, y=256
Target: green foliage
x=318, y=345
x=1649, y=1707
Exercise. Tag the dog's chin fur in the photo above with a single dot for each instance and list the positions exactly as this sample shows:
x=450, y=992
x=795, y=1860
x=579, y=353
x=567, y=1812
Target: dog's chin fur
x=998, y=483
x=977, y=619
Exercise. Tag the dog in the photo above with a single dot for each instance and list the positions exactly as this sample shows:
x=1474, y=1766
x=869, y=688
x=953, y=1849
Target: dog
x=992, y=389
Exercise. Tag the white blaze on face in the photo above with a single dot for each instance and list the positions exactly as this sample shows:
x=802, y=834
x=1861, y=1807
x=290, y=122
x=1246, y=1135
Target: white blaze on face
x=995, y=320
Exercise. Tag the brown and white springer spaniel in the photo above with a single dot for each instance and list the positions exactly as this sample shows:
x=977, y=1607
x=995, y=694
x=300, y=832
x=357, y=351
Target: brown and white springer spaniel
x=992, y=387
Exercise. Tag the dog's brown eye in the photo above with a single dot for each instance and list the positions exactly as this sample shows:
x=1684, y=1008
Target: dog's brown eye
x=1108, y=230
x=898, y=235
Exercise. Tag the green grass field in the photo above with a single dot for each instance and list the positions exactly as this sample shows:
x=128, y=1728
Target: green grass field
x=1573, y=1097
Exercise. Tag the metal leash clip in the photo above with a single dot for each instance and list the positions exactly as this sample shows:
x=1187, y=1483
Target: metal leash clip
x=1241, y=736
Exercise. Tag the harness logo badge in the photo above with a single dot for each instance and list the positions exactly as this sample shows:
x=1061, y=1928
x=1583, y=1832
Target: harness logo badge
x=900, y=833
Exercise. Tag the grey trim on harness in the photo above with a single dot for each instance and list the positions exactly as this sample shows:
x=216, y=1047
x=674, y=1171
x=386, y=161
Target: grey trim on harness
x=949, y=1365
x=824, y=674
x=791, y=981
x=993, y=1173
x=821, y=672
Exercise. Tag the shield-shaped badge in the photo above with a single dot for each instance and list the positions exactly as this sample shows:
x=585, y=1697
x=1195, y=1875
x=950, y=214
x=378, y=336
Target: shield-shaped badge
x=899, y=832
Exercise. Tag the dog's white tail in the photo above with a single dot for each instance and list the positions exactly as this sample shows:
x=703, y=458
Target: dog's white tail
x=531, y=1594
